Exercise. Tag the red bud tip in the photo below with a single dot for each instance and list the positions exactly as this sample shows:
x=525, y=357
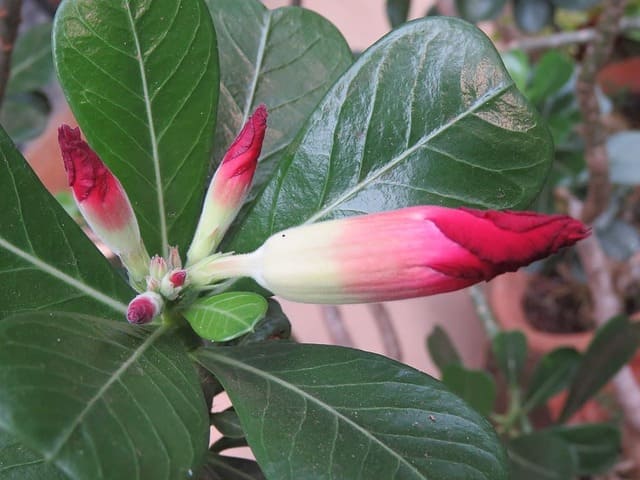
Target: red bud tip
x=178, y=277
x=243, y=153
x=144, y=308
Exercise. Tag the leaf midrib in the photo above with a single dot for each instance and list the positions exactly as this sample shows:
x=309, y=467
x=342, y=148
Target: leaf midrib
x=288, y=386
x=259, y=60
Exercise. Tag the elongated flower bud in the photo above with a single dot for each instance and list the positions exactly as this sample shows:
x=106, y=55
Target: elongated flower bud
x=229, y=187
x=404, y=253
x=103, y=202
x=144, y=308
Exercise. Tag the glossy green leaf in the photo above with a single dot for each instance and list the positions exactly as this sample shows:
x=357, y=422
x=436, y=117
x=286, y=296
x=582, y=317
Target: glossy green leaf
x=441, y=349
x=595, y=447
x=141, y=77
x=549, y=75
x=475, y=387
x=24, y=115
x=611, y=348
x=540, y=456
x=554, y=372
x=226, y=316
x=101, y=399
x=17, y=462
x=274, y=325
x=428, y=115
x=46, y=261
x=575, y=4
x=398, y=11
x=227, y=423
x=315, y=411
x=476, y=10
x=31, y=61
x=533, y=15
x=222, y=467
x=286, y=58
x=510, y=352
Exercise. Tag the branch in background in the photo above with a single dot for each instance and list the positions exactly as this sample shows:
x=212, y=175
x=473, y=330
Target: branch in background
x=593, y=132
x=335, y=325
x=483, y=310
x=549, y=42
x=9, y=22
x=388, y=333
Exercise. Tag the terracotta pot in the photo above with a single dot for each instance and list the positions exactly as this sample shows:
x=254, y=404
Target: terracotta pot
x=506, y=294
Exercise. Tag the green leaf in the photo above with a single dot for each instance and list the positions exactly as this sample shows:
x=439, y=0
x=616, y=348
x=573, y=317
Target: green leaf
x=101, y=399
x=611, y=348
x=227, y=423
x=31, y=61
x=476, y=10
x=398, y=11
x=553, y=373
x=595, y=447
x=540, y=456
x=550, y=74
x=443, y=352
x=19, y=463
x=226, y=316
x=517, y=64
x=475, y=387
x=141, y=77
x=24, y=115
x=46, y=261
x=274, y=325
x=221, y=467
x=510, y=352
x=574, y=4
x=428, y=115
x=286, y=58
x=533, y=15
x=316, y=411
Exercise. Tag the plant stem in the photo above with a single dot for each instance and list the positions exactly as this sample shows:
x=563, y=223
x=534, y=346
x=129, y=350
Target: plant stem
x=484, y=312
x=335, y=324
x=9, y=22
x=388, y=333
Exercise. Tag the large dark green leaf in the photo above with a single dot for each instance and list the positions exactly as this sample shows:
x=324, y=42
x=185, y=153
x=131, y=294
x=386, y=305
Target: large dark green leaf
x=475, y=387
x=553, y=373
x=613, y=345
x=101, y=399
x=595, y=447
x=286, y=58
x=19, y=463
x=540, y=456
x=314, y=411
x=46, y=261
x=141, y=77
x=31, y=62
x=428, y=115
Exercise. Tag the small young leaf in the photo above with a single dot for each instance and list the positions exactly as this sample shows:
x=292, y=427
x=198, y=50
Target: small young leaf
x=612, y=346
x=475, y=387
x=540, y=455
x=553, y=373
x=510, y=351
x=226, y=316
x=441, y=348
x=398, y=11
x=595, y=446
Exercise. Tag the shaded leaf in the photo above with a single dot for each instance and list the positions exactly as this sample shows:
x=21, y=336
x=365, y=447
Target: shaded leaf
x=398, y=11
x=510, y=352
x=101, y=399
x=540, y=456
x=19, y=463
x=475, y=387
x=393, y=133
x=24, y=115
x=441, y=349
x=221, y=467
x=31, y=61
x=476, y=10
x=227, y=423
x=46, y=261
x=611, y=348
x=549, y=75
x=315, y=411
x=595, y=447
x=517, y=64
x=533, y=15
x=223, y=317
x=141, y=77
x=226, y=443
x=554, y=372
x=286, y=58
x=274, y=325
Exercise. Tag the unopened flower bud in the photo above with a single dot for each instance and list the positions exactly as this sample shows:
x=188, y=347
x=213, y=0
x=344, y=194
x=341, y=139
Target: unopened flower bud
x=229, y=187
x=158, y=267
x=144, y=308
x=103, y=203
x=174, y=261
x=172, y=284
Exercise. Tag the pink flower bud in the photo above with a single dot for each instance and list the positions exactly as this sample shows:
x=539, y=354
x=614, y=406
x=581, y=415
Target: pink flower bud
x=157, y=267
x=178, y=277
x=404, y=253
x=229, y=187
x=173, y=283
x=103, y=202
x=144, y=308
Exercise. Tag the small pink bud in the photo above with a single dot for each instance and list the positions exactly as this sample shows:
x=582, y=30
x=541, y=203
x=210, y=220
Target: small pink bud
x=399, y=254
x=103, y=202
x=172, y=284
x=158, y=267
x=144, y=308
x=174, y=262
x=178, y=277
x=229, y=187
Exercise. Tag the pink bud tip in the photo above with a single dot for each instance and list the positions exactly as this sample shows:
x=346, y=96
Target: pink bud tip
x=178, y=277
x=242, y=156
x=144, y=308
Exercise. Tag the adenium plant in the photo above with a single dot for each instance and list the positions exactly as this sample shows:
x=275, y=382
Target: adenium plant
x=390, y=177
